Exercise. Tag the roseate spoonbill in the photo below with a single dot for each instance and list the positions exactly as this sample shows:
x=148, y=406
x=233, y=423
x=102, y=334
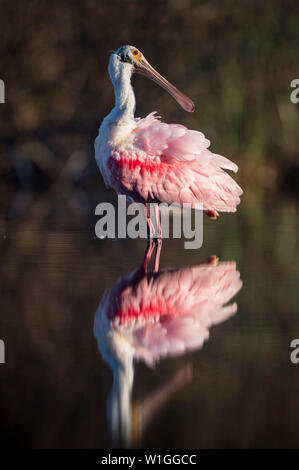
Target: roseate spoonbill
x=153, y=162
x=146, y=316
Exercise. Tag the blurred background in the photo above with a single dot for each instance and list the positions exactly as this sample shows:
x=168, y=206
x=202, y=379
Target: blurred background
x=236, y=61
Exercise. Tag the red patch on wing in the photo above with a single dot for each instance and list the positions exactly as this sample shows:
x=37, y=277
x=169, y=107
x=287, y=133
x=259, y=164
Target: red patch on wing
x=131, y=163
x=157, y=308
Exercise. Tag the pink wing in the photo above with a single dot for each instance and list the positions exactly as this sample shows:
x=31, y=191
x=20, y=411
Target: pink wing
x=168, y=163
x=171, y=312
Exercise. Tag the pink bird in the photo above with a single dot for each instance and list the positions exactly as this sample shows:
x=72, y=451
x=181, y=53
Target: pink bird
x=147, y=316
x=169, y=312
x=153, y=162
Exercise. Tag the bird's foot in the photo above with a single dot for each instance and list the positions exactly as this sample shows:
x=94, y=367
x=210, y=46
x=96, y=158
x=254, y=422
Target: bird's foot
x=212, y=214
x=148, y=254
x=158, y=238
x=212, y=261
x=158, y=243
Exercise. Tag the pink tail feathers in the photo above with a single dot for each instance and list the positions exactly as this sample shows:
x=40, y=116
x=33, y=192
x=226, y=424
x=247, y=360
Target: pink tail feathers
x=199, y=175
x=209, y=183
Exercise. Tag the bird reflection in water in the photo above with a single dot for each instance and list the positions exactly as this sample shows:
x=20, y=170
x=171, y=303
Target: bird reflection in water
x=150, y=315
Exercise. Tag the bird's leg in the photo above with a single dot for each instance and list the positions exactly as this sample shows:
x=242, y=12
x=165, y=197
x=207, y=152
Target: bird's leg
x=158, y=222
x=147, y=255
x=157, y=254
x=150, y=227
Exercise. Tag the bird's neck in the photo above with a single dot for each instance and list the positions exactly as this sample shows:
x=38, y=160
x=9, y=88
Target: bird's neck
x=120, y=404
x=120, y=121
x=125, y=103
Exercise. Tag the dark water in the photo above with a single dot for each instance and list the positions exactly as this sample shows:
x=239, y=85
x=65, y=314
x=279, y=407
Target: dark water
x=239, y=390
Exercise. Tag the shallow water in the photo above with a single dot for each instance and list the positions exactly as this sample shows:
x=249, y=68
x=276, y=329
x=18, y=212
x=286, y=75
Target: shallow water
x=239, y=390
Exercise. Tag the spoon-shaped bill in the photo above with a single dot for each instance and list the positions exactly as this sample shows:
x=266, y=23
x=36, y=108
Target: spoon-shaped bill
x=144, y=68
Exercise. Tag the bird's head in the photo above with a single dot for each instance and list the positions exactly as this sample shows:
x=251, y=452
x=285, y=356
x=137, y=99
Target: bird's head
x=135, y=60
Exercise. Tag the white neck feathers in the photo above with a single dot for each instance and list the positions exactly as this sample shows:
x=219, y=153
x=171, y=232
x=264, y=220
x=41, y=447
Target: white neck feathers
x=120, y=74
x=120, y=121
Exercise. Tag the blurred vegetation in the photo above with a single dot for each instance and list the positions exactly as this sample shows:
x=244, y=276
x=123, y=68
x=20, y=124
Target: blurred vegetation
x=235, y=59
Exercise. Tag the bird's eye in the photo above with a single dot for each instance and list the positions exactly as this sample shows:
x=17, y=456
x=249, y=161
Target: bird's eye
x=135, y=52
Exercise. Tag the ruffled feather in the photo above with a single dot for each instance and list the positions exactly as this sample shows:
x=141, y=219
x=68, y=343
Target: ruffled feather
x=168, y=163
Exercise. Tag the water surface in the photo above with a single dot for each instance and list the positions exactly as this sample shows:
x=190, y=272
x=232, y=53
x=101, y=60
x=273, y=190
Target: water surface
x=239, y=390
